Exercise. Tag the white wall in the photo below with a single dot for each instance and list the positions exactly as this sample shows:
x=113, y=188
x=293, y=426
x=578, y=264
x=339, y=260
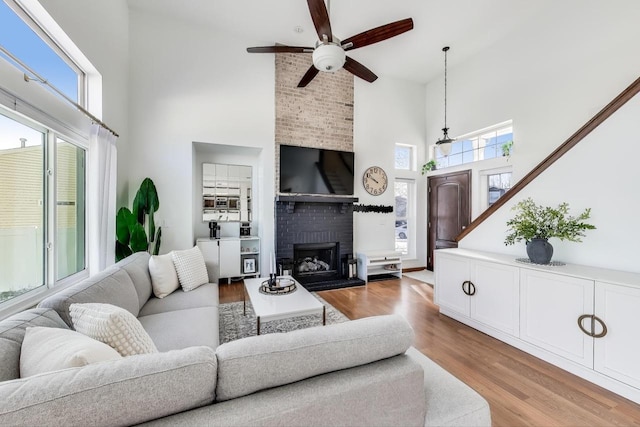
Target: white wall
x=387, y=112
x=100, y=29
x=602, y=173
x=551, y=80
x=189, y=83
x=192, y=84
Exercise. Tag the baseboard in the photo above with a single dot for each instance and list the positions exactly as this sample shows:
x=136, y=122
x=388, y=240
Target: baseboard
x=409, y=270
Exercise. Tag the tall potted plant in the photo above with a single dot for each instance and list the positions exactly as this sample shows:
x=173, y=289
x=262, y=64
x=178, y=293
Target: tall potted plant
x=535, y=224
x=131, y=234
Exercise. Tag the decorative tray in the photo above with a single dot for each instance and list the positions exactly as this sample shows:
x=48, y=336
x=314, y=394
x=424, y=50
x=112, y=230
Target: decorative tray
x=282, y=286
x=551, y=263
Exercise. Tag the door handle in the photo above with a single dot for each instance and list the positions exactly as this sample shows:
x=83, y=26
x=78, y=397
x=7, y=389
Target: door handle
x=592, y=331
x=580, y=319
x=466, y=282
x=472, y=288
x=594, y=319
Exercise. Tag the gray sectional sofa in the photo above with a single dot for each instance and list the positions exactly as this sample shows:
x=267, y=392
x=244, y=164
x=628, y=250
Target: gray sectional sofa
x=362, y=372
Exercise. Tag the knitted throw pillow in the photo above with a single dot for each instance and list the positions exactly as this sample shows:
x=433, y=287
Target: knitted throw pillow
x=112, y=325
x=191, y=269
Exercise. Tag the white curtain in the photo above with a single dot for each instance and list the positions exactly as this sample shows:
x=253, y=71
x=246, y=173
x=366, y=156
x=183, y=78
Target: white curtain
x=102, y=198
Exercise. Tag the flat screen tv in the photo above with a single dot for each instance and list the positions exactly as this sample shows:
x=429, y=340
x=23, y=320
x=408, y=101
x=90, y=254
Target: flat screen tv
x=315, y=171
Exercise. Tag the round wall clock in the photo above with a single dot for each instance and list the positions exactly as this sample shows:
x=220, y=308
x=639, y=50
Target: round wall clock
x=375, y=180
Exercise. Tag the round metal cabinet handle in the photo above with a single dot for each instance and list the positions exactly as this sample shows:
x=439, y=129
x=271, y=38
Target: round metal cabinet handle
x=604, y=327
x=592, y=332
x=466, y=282
x=472, y=288
x=580, y=319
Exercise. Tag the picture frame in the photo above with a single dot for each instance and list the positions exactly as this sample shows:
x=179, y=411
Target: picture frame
x=249, y=265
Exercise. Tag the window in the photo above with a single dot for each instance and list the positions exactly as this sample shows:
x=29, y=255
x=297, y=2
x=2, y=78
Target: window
x=22, y=213
x=70, y=209
x=43, y=230
x=486, y=144
x=404, y=157
x=405, y=197
x=498, y=184
x=26, y=41
x=42, y=183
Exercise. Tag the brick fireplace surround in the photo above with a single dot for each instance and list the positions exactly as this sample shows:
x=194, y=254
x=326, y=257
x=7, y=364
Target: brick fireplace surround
x=320, y=116
x=316, y=219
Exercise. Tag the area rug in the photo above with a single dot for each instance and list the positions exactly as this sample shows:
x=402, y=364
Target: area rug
x=425, y=276
x=235, y=325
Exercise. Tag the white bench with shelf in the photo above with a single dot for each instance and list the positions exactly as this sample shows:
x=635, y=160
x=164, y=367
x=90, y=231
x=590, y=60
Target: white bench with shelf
x=376, y=265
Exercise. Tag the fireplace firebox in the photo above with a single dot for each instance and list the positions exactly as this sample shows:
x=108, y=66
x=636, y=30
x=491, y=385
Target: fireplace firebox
x=316, y=262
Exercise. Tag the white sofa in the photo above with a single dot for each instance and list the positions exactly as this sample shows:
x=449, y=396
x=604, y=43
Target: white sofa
x=356, y=373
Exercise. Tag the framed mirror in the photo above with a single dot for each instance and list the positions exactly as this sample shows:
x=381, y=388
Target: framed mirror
x=226, y=192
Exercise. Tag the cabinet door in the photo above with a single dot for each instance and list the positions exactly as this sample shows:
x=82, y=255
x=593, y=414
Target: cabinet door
x=496, y=299
x=209, y=249
x=618, y=352
x=230, y=258
x=451, y=272
x=550, y=305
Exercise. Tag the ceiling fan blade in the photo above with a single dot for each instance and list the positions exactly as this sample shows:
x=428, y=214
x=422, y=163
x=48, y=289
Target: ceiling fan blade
x=357, y=69
x=308, y=76
x=279, y=49
x=378, y=34
x=320, y=18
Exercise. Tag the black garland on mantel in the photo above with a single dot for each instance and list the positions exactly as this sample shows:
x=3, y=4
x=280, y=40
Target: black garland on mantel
x=373, y=208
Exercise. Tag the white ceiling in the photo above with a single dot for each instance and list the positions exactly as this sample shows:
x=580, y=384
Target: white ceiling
x=468, y=26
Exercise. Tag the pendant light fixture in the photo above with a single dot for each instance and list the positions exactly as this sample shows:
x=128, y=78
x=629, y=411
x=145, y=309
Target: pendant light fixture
x=444, y=144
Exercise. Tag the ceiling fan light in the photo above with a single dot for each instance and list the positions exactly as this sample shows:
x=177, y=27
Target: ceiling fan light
x=329, y=57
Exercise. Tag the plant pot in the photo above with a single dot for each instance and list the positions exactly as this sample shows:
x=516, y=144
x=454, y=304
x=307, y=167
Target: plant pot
x=539, y=251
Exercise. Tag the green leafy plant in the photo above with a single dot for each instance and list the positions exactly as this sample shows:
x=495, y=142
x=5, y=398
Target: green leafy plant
x=506, y=148
x=130, y=225
x=429, y=166
x=543, y=222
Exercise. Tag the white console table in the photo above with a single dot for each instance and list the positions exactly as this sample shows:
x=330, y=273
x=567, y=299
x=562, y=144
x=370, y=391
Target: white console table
x=378, y=263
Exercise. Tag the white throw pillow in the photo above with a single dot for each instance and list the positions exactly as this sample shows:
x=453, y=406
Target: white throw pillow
x=112, y=325
x=51, y=349
x=191, y=269
x=164, y=278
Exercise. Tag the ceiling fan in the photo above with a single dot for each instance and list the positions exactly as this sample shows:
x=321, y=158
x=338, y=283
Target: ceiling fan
x=329, y=52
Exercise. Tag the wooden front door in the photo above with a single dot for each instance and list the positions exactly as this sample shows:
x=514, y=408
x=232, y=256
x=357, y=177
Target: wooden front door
x=449, y=209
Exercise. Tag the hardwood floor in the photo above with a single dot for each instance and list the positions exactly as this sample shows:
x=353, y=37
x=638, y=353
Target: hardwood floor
x=521, y=389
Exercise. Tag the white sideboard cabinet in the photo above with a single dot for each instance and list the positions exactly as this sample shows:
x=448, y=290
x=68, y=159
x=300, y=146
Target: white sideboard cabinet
x=580, y=318
x=481, y=291
x=230, y=257
x=617, y=353
x=549, y=310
